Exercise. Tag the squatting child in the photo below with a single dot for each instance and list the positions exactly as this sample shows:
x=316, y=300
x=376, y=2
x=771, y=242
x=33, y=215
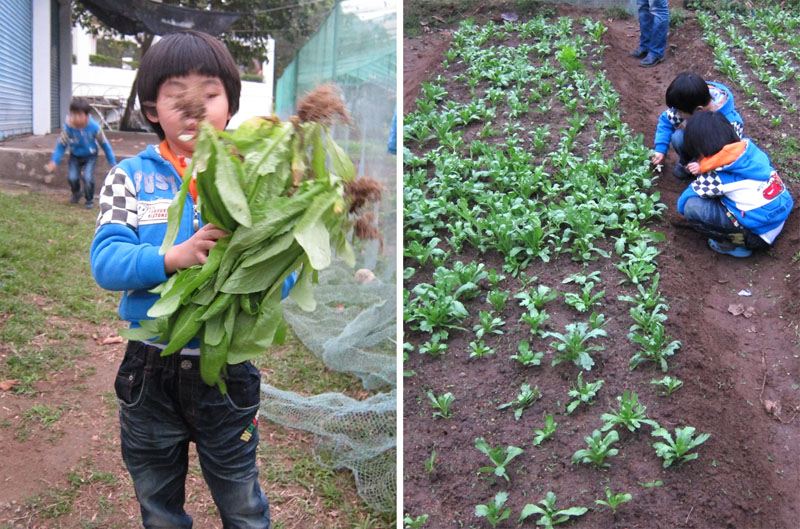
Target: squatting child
x=687, y=94
x=81, y=134
x=163, y=402
x=737, y=199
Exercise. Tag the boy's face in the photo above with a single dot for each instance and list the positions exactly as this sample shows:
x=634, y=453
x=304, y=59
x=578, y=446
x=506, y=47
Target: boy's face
x=79, y=119
x=180, y=130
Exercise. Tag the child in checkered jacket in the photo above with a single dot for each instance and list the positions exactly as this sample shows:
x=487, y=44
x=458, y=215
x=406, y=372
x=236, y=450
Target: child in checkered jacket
x=163, y=402
x=737, y=198
x=687, y=94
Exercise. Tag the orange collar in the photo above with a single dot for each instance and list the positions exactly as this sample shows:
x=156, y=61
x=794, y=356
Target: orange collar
x=728, y=154
x=179, y=163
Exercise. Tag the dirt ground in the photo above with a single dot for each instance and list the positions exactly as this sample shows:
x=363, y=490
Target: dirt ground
x=75, y=462
x=741, y=375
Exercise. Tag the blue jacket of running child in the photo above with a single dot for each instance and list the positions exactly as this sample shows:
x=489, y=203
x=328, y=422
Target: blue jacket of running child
x=131, y=226
x=82, y=142
x=670, y=120
x=750, y=189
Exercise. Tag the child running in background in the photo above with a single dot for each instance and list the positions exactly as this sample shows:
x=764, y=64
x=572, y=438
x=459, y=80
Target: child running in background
x=737, y=198
x=163, y=402
x=80, y=135
x=687, y=94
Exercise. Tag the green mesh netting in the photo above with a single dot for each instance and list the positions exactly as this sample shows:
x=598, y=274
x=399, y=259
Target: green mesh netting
x=352, y=330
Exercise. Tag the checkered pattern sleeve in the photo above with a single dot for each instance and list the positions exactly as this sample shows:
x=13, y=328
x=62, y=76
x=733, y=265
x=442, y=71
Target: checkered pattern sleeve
x=118, y=201
x=63, y=138
x=674, y=117
x=708, y=185
x=739, y=128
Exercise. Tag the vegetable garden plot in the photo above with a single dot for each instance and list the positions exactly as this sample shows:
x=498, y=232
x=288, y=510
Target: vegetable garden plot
x=520, y=254
x=758, y=50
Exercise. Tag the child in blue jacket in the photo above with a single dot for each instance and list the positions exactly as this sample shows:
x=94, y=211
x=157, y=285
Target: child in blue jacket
x=687, y=94
x=80, y=134
x=163, y=402
x=737, y=198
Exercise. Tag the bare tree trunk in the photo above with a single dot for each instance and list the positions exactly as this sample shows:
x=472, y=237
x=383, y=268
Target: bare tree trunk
x=125, y=122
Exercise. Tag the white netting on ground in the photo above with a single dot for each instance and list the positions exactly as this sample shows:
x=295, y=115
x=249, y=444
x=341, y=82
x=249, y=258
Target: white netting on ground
x=352, y=330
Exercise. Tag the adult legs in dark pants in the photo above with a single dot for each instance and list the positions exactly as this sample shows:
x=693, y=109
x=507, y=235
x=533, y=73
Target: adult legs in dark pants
x=653, y=29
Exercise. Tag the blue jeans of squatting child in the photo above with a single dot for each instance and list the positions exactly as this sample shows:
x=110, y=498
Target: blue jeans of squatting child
x=677, y=143
x=653, y=25
x=164, y=404
x=76, y=165
x=709, y=216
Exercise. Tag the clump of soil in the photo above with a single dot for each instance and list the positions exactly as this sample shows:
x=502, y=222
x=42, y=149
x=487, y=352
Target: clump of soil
x=323, y=104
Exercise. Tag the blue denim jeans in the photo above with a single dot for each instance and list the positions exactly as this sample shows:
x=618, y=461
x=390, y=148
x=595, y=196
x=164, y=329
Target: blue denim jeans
x=709, y=216
x=163, y=406
x=677, y=143
x=76, y=165
x=653, y=25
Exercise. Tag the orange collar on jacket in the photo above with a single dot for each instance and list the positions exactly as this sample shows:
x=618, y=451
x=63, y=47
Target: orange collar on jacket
x=728, y=154
x=179, y=162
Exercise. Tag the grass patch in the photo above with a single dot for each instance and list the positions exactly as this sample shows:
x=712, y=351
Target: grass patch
x=40, y=414
x=45, y=284
x=55, y=501
x=293, y=367
x=283, y=463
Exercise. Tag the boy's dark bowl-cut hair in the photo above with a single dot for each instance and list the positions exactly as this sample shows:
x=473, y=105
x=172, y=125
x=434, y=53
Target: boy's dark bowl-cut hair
x=179, y=54
x=707, y=133
x=687, y=92
x=79, y=105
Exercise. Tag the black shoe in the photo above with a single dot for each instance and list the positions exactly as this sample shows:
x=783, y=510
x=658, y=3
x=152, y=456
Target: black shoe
x=89, y=205
x=680, y=172
x=76, y=197
x=651, y=60
x=639, y=53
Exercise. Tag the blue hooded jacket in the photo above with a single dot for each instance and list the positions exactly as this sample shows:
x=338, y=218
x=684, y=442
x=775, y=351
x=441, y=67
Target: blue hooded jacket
x=82, y=142
x=750, y=189
x=670, y=120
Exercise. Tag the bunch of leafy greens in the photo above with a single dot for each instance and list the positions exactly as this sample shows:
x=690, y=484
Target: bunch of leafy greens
x=268, y=185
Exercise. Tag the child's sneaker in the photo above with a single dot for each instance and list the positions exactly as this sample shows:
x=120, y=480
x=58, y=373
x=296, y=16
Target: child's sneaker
x=90, y=204
x=728, y=248
x=76, y=197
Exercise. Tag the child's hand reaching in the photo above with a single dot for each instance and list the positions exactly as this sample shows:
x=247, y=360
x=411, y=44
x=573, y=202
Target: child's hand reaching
x=50, y=167
x=657, y=158
x=693, y=167
x=193, y=251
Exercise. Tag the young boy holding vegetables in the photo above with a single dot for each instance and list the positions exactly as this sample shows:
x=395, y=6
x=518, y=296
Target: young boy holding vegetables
x=737, y=198
x=687, y=94
x=163, y=402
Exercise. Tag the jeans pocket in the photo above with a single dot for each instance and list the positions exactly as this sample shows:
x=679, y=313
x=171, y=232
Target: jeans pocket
x=130, y=382
x=243, y=383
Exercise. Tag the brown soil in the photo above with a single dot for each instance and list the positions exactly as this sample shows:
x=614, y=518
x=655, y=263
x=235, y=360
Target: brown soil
x=70, y=474
x=733, y=368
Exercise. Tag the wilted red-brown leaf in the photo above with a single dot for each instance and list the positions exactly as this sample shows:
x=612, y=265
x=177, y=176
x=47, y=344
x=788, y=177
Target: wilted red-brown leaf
x=5, y=385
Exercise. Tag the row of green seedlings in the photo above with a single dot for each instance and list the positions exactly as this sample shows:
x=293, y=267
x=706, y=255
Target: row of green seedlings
x=439, y=308
x=772, y=67
x=630, y=414
x=587, y=195
x=533, y=217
